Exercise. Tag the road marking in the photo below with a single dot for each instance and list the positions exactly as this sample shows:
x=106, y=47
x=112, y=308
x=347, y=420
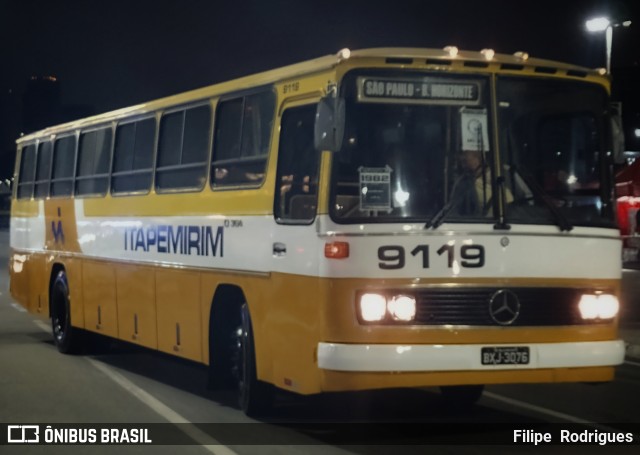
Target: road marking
x=165, y=411
x=629, y=362
x=549, y=412
x=202, y=438
x=19, y=308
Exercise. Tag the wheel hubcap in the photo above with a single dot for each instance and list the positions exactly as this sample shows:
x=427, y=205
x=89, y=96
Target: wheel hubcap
x=60, y=315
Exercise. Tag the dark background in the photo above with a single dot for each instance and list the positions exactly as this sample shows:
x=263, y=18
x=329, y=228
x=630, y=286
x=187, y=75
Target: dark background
x=61, y=60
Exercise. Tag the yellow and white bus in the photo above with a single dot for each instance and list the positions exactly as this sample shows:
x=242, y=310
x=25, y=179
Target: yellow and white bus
x=372, y=219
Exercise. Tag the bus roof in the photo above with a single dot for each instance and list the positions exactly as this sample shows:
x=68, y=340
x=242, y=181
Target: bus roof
x=392, y=56
x=451, y=53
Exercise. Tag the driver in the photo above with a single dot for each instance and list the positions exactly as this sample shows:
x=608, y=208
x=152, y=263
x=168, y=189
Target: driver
x=476, y=168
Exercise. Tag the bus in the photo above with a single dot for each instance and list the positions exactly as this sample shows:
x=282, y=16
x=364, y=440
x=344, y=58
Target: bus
x=374, y=219
x=628, y=203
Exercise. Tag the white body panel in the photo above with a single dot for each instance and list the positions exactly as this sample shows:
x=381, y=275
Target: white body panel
x=28, y=234
x=247, y=244
x=401, y=358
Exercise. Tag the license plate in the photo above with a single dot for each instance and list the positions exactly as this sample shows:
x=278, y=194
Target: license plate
x=505, y=355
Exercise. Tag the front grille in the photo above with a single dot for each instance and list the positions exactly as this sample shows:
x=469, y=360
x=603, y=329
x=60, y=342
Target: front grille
x=470, y=306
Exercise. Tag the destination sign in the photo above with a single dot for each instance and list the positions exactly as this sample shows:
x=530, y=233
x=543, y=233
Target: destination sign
x=422, y=91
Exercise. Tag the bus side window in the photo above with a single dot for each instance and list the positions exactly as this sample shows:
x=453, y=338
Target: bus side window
x=43, y=170
x=94, y=156
x=27, y=172
x=296, y=195
x=242, y=137
x=133, y=157
x=64, y=155
x=183, y=148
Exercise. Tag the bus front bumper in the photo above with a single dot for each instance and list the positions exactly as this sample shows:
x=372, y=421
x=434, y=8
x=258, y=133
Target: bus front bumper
x=379, y=358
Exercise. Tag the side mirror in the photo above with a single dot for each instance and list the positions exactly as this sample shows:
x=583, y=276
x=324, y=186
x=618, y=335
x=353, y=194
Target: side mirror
x=617, y=132
x=329, y=127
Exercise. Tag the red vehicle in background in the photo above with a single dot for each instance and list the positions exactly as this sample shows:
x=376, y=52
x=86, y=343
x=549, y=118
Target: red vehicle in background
x=628, y=201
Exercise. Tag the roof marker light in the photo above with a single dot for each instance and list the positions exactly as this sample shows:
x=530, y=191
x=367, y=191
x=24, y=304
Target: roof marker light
x=488, y=53
x=524, y=56
x=344, y=54
x=451, y=50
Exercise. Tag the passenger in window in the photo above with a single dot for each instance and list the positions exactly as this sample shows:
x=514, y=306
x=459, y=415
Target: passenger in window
x=298, y=160
x=303, y=156
x=221, y=173
x=291, y=183
x=236, y=175
x=254, y=177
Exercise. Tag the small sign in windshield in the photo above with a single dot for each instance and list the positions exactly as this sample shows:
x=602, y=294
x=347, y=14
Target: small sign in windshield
x=375, y=188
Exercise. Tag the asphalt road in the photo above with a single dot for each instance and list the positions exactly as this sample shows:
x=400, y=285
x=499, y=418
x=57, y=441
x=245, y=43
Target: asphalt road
x=123, y=384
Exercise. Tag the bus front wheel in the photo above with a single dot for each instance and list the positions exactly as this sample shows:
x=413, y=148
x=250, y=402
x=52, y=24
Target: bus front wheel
x=65, y=337
x=254, y=396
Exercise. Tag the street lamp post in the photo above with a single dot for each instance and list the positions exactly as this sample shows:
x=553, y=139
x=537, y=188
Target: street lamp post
x=603, y=24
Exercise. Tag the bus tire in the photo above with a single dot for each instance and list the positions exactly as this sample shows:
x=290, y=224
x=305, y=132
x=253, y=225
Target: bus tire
x=461, y=396
x=255, y=397
x=66, y=338
x=224, y=323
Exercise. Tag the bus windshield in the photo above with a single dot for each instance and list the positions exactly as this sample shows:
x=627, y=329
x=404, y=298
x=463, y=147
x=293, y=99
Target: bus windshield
x=419, y=147
x=552, y=136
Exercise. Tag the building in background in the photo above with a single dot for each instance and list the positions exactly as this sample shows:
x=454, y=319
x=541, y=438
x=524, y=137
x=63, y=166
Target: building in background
x=625, y=89
x=41, y=103
x=10, y=127
x=36, y=105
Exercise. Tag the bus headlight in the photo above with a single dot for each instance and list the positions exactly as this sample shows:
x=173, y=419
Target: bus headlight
x=373, y=307
x=402, y=308
x=598, y=306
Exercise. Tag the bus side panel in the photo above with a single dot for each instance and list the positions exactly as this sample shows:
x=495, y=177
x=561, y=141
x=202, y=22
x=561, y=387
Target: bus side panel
x=38, y=285
x=99, y=291
x=73, y=269
x=19, y=270
x=287, y=330
x=262, y=308
x=24, y=239
x=61, y=232
x=178, y=300
x=207, y=290
x=136, y=303
x=254, y=289
x=284, y=313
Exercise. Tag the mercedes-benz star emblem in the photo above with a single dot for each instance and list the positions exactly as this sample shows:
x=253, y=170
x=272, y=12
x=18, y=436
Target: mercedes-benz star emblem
x=504, y=307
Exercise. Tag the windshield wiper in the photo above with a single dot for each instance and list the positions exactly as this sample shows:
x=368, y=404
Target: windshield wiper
x=438, y=217
x=561, y=220
x=502, y=210
x=456, y=198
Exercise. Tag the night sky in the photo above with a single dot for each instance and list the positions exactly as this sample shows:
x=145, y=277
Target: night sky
x=117, y=53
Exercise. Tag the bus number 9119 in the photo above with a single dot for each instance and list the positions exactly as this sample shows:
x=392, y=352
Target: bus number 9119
x=394, y=257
